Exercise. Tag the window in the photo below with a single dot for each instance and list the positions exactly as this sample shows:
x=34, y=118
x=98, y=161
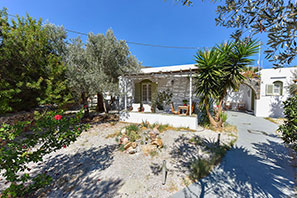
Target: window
x=278, y=88
x=146, y=92
x=275, y=89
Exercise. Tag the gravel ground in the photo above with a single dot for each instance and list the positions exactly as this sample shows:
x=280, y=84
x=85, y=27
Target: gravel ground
x=94, y=167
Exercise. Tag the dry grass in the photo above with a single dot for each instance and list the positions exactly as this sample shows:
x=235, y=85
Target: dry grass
x=186, y=181
x=113, y=135
x=271, y=120
x=278, y=121
x=228, y=128
x=172, y=187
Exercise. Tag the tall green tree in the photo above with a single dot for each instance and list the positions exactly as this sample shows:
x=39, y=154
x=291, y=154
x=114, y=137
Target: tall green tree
x=275, y=18
x=110, y=58
x=31, y=69
x=94, y=67
x=221, y=69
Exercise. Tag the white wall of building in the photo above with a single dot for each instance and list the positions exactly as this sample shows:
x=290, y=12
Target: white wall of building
x=243, y=95
x=272, y=106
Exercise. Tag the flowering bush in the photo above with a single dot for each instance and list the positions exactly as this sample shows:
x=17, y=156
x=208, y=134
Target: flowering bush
x=49, y=132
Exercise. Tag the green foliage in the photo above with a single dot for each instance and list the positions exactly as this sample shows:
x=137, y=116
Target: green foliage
x=276, y=19
x=133, y=132
x=199, y=169
x=223, y=116
x=289, y=128
x=219, y=69
x=132, y=127
x=163, y=97
x=18, y=149
x=31, y=68
x=95, y=66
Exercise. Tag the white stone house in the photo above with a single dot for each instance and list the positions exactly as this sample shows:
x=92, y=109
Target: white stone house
x=140, y=90
x=272, y=91
x=262, y=97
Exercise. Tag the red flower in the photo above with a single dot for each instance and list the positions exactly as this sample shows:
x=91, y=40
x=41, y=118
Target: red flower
x=217, y=106
x=85, y=106
x=78, y=128
x=24, y=147
x=58, y=117
x=64, y=146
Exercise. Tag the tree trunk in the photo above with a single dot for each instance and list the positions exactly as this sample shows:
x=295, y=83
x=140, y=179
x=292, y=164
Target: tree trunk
x=100, y=102
x=85, y=104
x=211, y=120
x=220, y=106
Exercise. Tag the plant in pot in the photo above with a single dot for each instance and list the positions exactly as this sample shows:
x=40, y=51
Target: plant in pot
x=185, y=102
x=163, y=98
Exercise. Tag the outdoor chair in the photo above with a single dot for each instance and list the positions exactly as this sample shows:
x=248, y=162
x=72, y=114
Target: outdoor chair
x=228, y=105
x=172, y=109
x=147, y=108
x=192, y=109
x=135, y=107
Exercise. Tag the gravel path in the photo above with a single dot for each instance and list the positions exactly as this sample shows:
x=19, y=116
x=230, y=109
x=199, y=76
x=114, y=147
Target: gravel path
x=94, y=167
x=258, y=166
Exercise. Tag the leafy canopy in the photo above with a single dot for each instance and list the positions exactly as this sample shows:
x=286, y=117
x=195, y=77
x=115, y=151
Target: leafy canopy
x=276, y=18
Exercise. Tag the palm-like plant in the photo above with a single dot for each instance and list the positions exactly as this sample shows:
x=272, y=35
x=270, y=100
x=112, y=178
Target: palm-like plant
x=209, y=71
x=220, y=69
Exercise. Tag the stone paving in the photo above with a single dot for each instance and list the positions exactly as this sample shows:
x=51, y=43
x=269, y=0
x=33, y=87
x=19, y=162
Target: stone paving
x=258, y=166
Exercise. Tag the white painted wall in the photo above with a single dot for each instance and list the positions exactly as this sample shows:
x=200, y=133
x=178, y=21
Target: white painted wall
x=272, y=106
x=243, y=95
x=172, y=120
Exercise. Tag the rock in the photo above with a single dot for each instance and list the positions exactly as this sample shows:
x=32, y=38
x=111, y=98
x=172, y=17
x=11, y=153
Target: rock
x=156, y=130
x=124, y=140
x=127, y=145
x=134, y=145
x=124, y=131
x=158, y=142
x=147, y=149
x=152, y=135
x=131, y=150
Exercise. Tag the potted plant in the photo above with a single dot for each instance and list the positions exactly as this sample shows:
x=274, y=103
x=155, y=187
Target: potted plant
x=185, y=102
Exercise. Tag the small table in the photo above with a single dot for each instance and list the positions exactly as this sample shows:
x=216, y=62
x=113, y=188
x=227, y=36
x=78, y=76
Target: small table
x=181, y=108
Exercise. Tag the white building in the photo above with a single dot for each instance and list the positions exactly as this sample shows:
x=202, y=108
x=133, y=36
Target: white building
x=273, y=90
x=261, y=96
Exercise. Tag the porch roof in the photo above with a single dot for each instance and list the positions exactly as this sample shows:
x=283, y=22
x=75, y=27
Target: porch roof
x=165, y=70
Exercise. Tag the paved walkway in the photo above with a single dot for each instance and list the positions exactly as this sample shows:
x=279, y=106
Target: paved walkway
x=258, y=166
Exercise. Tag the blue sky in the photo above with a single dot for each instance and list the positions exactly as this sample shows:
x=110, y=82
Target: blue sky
x=156, y=22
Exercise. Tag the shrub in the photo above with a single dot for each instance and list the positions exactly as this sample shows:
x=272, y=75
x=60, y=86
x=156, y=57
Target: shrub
x=50, y=131
x=289, y=128
x=199, y=169
x=133, y=132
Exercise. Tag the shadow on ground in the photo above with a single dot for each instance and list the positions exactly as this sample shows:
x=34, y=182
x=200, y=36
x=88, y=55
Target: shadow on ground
x=186, y=150
x=242, y=174
x=78, y=175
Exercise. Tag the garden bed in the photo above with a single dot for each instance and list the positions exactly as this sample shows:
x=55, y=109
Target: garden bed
x=95, y=164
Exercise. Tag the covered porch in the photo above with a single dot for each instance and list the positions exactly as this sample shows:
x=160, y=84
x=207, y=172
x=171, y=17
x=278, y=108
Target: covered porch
x=163, y=95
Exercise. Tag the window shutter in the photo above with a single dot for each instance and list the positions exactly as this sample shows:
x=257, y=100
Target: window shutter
x=269, y=90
